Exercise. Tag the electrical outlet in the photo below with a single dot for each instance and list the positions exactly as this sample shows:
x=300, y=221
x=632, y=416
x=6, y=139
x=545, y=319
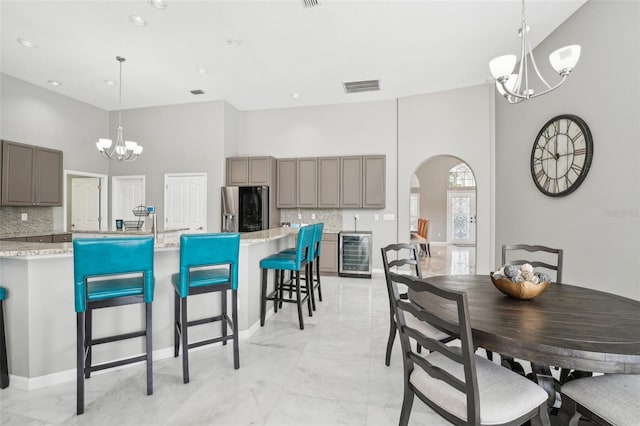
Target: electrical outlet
x=376, y=217
x=24, y=216
x=356, y=216
x=299, y=216
x=313, y=215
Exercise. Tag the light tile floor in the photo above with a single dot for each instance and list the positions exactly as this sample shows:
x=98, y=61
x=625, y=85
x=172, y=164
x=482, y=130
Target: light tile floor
x=331, y=373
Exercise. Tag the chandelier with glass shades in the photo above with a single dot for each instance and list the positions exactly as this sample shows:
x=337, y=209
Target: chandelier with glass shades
x=515, y=87
x=122, y=150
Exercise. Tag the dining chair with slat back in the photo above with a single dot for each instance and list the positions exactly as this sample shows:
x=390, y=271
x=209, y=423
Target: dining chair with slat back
x=405, y=255
x=461, y=387
x=538, y=257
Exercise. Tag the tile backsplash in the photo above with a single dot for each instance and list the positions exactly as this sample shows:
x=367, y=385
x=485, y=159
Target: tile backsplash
x=39, y=219
x=332, y=218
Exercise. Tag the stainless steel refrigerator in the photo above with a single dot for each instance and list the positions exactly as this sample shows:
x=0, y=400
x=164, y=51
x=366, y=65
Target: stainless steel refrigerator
x=245, y=208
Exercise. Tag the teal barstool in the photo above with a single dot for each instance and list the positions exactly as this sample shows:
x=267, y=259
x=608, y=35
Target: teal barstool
x=317, y=245
x=208, y=263
x=111, y=272
x=4, y=368
x=311, y=260
x=281, y=262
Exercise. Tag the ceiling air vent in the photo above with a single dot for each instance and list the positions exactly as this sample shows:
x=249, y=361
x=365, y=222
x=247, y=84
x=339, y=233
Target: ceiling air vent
x=310, y=3
x=197, y=92
x=361, y=86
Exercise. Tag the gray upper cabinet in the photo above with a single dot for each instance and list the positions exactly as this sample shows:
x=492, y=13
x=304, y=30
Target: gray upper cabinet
x=250, y=171
x=286, y=183
x=329, y=182
x=31, y=175
x=373, y=181
x=237, y=171
x=362, y=182
x=260, y=170
x=351, y=182
x=307, y=177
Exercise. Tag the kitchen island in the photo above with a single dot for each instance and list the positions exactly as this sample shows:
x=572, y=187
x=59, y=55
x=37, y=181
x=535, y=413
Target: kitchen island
x=41, y=320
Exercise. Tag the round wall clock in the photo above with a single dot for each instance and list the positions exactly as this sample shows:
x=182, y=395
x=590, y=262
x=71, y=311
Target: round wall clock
x=561, y=155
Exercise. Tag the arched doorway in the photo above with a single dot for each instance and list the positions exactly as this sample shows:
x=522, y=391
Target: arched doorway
x=443, y=191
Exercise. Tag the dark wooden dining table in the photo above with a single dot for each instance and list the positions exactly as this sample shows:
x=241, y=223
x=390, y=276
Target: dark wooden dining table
x=567, y=326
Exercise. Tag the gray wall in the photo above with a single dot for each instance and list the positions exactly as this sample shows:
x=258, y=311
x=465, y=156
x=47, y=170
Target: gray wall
x=598, y=225
x=458, y=123
x=433, y=175
x=176, y=139
x=32, y=115
x=332, y=130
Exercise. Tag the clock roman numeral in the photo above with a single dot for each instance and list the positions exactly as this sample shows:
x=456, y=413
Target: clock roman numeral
x=539, y=174
x=576, y=168
x=580, y=151
x=546, y=184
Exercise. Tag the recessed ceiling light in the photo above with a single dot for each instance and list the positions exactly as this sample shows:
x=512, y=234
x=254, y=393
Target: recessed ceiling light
x=202, y=71
x=234, y=41
x=110, y=82
x=137, y=21
x=158, y=4
x=295, y=95
x=55, y=83
x=26, y=43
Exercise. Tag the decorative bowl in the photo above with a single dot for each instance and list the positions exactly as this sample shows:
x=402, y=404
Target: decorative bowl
x=523, y=290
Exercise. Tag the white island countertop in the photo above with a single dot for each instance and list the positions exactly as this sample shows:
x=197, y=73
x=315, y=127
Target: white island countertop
x=19, y=248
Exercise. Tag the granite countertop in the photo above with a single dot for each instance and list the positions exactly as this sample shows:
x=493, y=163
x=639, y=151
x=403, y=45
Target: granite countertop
x=20, y=249
x=131, y=232
x=31, y=234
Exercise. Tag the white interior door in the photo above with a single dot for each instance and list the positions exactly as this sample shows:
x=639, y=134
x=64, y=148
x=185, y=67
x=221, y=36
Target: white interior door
x=461, y=217
x=185, y=201
x=127, y=193
x=85, y=204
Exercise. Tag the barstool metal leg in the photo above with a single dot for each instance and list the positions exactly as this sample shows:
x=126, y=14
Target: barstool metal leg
x=317, y=264
x=184, y=326
x=263, y=297
x=87, y=342
x=176, y=324
x=223, y=302
x=236, y=348
x=80, y=363
x=4, y=368
x=299, y=298
x=149, y=344
x=309, y=279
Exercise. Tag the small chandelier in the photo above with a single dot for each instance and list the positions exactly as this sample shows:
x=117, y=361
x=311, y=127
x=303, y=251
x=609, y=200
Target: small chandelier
x=515, y=87
x=123, y=150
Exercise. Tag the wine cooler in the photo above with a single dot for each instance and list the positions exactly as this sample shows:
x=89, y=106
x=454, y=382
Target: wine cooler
x=355, y=254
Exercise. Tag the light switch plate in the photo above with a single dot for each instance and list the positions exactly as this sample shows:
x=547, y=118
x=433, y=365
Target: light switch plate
x=24, y=216
x=389, y=216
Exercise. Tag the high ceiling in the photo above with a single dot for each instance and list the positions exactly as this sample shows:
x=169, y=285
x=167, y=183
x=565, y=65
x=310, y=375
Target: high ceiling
x=413, y=47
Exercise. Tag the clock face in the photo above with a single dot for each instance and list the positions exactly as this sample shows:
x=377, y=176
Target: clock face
x=561, y=155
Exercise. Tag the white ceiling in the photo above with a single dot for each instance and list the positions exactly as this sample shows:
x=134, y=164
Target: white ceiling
x=413, y=47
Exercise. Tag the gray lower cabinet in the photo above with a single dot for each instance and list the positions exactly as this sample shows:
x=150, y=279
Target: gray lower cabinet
x=31, y=175
x=329, y=182
x=286, y=183
x=329, y=254
x=307, y=187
